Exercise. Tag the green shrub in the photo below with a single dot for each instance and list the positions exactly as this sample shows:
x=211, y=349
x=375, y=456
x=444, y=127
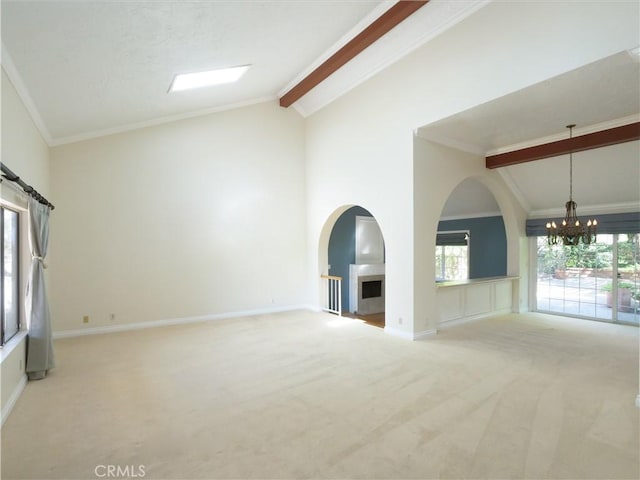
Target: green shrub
x=607, y=287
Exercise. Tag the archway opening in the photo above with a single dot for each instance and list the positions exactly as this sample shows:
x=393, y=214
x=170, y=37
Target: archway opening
x=471, y=241
x=356, y=255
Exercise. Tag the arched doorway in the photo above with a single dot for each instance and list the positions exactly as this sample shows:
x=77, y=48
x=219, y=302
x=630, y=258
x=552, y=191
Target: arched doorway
x=355, y=253
x=471, y=240
x=487, y=285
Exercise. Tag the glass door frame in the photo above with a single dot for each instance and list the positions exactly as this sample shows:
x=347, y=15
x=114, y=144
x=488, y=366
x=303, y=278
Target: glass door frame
x=616, y=308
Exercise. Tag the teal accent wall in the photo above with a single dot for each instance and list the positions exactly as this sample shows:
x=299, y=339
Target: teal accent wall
x=342, y=248
x=488, y=245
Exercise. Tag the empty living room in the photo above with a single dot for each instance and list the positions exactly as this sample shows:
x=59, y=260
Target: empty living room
x=318, y=239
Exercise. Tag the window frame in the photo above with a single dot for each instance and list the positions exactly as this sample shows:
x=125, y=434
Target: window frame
x=443, y=255
x=17, y=285
x=617, y=315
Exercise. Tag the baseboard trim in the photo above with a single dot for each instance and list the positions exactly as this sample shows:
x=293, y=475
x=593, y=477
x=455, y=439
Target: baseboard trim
x=425, y=333
x=473, y=318
x=398, y=333
x=409, y=335
x=124, y=327
x=17, y=391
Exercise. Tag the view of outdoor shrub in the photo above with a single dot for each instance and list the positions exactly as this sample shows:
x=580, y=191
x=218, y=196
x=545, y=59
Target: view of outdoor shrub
x=598, y=256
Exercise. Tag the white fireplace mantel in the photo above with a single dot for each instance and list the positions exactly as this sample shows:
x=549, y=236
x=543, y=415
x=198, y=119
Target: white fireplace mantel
x=365, y=272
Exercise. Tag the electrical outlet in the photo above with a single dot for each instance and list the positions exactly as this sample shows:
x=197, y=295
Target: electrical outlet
x=112, y=316
x=399, y=320
x=85, y=319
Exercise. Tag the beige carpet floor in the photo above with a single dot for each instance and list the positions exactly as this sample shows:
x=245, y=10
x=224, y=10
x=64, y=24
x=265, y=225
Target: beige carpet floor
x=310, y=395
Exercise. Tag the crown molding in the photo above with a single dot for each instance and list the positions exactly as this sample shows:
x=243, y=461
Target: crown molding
x=513, y=187
x=625, y=207
x=449, y=142
x=471, y=215
x=157, y=121
x=350, y=78
x=346, y=38
x=589, y=141
x=577, y=131
x=372, y=33
x=23, y=93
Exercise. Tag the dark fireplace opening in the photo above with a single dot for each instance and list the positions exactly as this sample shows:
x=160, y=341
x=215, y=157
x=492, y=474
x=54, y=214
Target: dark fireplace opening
x=372, y=289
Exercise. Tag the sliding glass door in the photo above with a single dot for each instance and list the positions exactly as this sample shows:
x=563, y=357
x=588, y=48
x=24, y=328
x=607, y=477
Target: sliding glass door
x=627, y=294
x=598, y=281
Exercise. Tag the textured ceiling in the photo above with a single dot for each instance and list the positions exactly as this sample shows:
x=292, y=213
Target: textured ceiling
x=599, y=95
x=91, y=68
x=601, y=92
x=88, y=68
x=93, y=65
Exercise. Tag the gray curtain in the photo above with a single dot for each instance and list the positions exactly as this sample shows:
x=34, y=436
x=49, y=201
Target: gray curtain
x=40, y=342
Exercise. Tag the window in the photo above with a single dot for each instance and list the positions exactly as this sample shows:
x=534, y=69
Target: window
x=9, y=274
x=598, y=281
x=452, y=255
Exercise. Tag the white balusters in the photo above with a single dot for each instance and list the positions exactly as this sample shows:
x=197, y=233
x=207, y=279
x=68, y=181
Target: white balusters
x=332, y=294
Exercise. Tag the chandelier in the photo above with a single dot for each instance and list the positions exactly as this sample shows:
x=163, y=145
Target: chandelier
x=571, y=231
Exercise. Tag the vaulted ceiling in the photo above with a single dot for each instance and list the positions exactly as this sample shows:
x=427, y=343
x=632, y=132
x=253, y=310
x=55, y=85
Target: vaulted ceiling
x=95, y=67
x=599, y=96
x=91, y=68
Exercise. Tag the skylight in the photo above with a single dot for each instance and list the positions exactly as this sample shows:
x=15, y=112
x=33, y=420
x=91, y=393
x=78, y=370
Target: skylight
x=186, y=81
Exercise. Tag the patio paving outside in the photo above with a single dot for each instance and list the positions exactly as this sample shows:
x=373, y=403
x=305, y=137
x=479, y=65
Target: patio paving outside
x=581, y=296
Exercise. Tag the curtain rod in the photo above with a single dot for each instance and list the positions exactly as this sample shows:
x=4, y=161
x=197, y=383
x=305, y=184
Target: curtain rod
x=29, y=190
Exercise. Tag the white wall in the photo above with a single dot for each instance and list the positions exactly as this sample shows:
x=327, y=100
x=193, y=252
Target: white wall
x=360, y=150
x=192, y=218
x=25, y=152
x=198, y=217
x=362, y=161
x=438, y=170
x=23, y=149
